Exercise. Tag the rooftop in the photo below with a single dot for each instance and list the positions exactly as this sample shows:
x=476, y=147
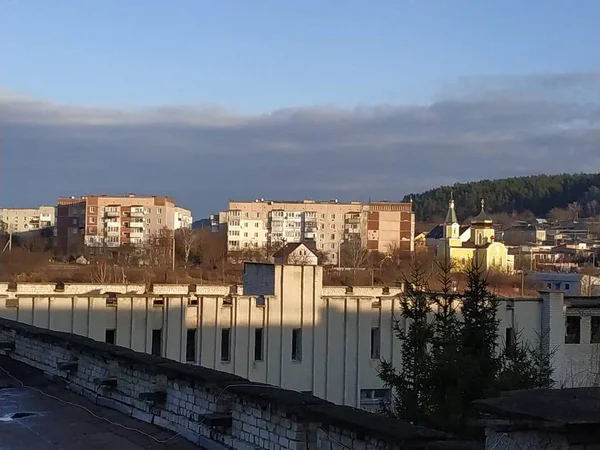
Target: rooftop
x=551, y=407
x=46, y=415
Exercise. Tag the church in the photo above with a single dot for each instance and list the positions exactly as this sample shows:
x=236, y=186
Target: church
x=481, y=245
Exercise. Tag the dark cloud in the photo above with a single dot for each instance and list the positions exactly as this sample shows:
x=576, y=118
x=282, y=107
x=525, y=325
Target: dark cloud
x=205, y=156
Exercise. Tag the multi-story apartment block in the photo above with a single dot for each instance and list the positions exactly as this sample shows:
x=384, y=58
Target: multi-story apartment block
x=98, y=221
x=380, y=226
x=23, y=220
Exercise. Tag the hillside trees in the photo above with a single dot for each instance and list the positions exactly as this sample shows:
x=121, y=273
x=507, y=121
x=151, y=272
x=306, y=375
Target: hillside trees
x=537, y=194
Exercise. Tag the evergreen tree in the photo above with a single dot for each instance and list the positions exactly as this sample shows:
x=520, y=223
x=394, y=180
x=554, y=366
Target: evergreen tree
x=479, y=335
x=524, y=366
x=412, y=401
x=446, y=375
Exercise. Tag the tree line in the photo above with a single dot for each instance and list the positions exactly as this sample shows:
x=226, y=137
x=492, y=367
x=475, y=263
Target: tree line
x=537, y=194
x=450, y=353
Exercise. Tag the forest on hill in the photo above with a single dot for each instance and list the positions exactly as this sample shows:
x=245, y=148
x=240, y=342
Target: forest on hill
x=537, y=194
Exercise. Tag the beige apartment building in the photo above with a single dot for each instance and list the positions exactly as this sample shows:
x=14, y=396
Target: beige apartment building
x=23, y=220
x=380, y=226
x=113, y=221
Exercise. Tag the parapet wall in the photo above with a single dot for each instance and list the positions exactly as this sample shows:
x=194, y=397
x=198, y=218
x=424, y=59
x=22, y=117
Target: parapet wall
x=214, y=409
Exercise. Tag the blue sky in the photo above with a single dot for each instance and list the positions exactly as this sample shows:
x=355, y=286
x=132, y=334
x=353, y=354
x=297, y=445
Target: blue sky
x=267, y=54
x=222, y=65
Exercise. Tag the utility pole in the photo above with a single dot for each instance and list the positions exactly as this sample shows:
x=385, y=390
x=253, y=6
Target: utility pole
x=8, y=244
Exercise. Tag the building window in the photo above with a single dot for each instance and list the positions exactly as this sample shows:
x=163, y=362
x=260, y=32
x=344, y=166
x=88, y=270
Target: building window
x=92, y=220
x=333, y=237
x=258, y=344
x=159, y=210
x=156, y=342
x=375, y=396
x=159, y=221
x=511, y=339
x=92, y=209
x=567, y=286
x=190, y=348
x=297, y=344
x=573, y=335
x=110, y=336
x=375, y=343
x=225, y=345
x=74, y=221
x=333, y=217
x=595, y=329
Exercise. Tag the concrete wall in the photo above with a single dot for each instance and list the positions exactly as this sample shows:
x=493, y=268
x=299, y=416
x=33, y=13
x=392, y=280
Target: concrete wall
x=335, y=339
x=251, y=415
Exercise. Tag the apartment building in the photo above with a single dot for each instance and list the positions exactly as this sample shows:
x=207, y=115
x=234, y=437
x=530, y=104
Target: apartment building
x=326, y=225
x=23, y=220
x=113, y=221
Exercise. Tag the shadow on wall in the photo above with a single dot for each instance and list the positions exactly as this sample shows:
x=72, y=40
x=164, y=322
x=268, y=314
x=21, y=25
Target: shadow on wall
x=325, y=341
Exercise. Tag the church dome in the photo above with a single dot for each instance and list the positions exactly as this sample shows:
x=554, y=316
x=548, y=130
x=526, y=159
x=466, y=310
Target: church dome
x=482, y=218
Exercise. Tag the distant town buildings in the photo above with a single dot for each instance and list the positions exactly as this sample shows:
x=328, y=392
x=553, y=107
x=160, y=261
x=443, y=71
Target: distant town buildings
x=24, y=220
x=381, y=226
x=114, y=221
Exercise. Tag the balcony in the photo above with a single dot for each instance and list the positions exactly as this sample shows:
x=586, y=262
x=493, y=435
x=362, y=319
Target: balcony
x=136, y=224
x=137, y=214
x=352, y=220
x=111, y=213
x=136, y=234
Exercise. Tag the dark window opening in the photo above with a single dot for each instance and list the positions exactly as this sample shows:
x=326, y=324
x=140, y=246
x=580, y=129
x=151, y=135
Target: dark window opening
x=511, y=340
x=156, y=342
x=573, y=335
x=260, y=300
x=190, y=348
x=258, y=344
x=375, y=343
x=110, y=336
x=595, y=330
x=158, y=302
x=225, y=345
x=297, y=344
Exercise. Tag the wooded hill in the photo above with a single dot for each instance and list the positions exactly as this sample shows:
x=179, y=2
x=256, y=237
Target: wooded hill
x=538, y=194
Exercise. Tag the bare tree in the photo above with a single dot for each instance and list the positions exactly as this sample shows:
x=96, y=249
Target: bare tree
x=187, y=240
x=102, y=272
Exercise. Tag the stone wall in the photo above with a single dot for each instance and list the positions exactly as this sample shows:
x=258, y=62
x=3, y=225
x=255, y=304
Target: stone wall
x=214, y=409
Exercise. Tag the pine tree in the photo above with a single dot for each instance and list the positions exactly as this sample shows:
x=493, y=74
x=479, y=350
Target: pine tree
x=446, y=375
x=524, y=365
x=411, y=385
x=478, y=337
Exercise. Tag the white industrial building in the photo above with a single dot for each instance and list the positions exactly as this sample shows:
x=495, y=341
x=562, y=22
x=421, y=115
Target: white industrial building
x=285, y=328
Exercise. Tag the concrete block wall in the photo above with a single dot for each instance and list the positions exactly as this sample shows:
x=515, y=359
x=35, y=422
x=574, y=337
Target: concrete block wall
x=261, y=416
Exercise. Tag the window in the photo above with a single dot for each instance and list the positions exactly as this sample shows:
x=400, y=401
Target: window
x=333, y=237
x=297, y=344
x=567, y=286
x=595, y=329
x=333, y=217
x=573, y=335
x=190, y=348
x=225, y=344
x=258, y=344
x=109, y=335
x=511, y=339
x=255, y=235
x=260, y=300
x=333, y=226
x=159, y=211
x=92, y=209
x=557, y=285
x=375, y=396
x=74, y=221
x=375, y=343
x=549, y=285
x=156, y=342
x=159, y=220
x=148, y=221
x=92, y=220
x=245, y=224
x=245, y=234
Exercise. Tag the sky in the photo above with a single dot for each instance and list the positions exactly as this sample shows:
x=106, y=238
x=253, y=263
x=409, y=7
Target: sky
x=209, y=101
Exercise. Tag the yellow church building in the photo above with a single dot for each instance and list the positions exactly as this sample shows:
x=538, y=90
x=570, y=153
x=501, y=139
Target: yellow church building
x=481, y=247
